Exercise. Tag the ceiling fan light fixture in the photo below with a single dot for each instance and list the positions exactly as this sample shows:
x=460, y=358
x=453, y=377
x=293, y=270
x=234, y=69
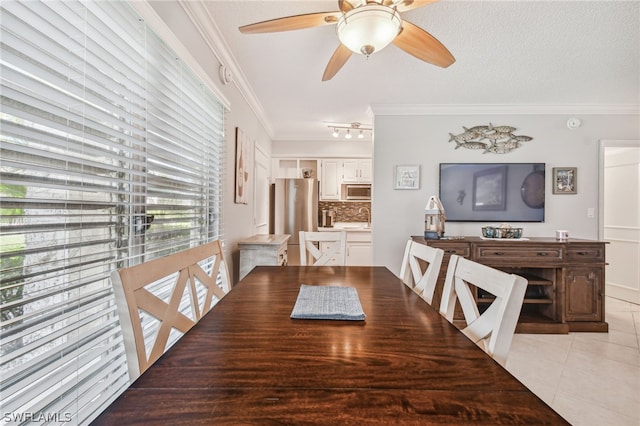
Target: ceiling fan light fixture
x=368, y=29
x=348, y=135
x=335, y=133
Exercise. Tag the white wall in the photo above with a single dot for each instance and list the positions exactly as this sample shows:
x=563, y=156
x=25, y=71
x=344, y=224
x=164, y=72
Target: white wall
x=239, y=218
x=330, y=148
x=423, y=140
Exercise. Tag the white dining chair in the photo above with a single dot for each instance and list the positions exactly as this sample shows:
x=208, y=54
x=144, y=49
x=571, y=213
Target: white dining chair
x=160, y=300
x=493, y=329
x=331, y=248
x=420, y=268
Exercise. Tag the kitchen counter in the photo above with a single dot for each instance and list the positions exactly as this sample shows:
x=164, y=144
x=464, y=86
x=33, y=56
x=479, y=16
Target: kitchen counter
x=348, y=226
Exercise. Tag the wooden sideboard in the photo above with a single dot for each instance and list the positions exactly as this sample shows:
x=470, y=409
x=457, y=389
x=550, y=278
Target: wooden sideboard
x=262, y=250
x=566, y=279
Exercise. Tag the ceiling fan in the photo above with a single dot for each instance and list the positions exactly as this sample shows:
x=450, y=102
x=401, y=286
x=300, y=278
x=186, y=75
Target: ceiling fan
x=365, y=27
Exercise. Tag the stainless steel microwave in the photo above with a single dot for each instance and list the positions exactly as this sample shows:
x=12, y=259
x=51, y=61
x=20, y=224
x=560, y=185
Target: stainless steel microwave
x=358, y=192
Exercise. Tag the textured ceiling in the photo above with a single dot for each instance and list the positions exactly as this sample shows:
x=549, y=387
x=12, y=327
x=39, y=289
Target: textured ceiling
x=520, y=54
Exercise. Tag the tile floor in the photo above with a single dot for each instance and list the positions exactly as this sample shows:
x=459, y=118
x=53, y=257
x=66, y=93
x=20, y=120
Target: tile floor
x=589, y=378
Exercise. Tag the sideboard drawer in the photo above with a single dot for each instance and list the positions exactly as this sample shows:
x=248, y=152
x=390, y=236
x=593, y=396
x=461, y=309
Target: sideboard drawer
x=590, y=253
x=526, y=254
x=458, y=249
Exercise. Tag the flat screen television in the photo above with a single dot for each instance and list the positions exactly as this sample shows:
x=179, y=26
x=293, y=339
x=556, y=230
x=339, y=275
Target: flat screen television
x=492, y=192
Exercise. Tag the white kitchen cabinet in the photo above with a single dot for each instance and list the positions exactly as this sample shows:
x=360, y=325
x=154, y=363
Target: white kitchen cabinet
x=356, y=171
x=294, y=168
x=359, y=251
x=366, y=171
x=331, y=173
x=359, y=254
x=284, y=168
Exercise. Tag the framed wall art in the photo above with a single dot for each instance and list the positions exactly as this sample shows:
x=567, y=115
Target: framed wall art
x=406, y=177
x=243, y=167
x=565, y=180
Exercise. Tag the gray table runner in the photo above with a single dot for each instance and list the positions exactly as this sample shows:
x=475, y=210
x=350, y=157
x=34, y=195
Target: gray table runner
x=328, y=302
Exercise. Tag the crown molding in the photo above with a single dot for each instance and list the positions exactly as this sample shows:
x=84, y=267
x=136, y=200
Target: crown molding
x=323, y=139
x=480, y=109
x=198, y=13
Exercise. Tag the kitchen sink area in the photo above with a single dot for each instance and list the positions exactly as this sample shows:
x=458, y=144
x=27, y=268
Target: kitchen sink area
x=353, y=217
x=358, y=241
x=350, y=226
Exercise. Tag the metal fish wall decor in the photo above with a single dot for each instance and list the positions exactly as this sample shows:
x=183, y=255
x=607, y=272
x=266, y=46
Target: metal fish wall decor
x=489, y=139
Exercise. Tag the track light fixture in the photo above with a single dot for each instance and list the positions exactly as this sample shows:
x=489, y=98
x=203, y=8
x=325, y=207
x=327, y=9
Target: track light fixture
x=355, y=127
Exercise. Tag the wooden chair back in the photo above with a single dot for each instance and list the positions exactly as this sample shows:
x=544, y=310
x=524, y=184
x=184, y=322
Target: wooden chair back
x=160, y=300
x=420, y=268
x=337, y=249
x=493, y=329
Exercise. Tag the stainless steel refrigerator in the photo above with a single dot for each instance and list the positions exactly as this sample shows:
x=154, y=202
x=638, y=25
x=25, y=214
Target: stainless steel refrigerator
x=295, y=208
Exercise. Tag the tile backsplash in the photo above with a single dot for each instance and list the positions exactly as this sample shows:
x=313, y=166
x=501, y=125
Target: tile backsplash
x=346, y=211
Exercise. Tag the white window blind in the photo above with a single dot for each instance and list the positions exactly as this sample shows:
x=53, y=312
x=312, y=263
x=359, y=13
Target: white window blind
x=111, y=153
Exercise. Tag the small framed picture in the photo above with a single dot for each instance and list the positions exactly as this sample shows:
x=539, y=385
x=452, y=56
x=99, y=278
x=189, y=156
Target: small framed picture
x=406, y=177
x=565, y=180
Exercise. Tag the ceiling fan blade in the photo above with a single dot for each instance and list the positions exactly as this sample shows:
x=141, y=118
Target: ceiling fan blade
x=404, y=5
x=338, y=59
x=419, y=43
x=344, y=5
x=296, y=22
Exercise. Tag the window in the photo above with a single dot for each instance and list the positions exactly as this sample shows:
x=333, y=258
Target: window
x=111, y=154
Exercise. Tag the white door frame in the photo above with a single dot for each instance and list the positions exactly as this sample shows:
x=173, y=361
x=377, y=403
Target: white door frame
x=629, y=294
x=261, y=173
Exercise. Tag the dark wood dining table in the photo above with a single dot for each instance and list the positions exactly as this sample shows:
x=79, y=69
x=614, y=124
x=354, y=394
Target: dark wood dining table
x=248, y=362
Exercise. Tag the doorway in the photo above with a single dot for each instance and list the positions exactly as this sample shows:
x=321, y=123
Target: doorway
x=619, y=219
x=261, y=192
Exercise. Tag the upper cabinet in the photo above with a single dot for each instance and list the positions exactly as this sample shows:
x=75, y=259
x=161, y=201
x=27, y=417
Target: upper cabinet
x=295, y=168
x=356, y=171
x=331, y=172
x=330, y=176
x=336, y=172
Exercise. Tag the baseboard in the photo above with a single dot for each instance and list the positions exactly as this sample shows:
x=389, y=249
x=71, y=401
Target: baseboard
x=623, y=293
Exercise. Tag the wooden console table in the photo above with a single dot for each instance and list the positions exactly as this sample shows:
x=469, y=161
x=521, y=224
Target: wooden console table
x=566, y=278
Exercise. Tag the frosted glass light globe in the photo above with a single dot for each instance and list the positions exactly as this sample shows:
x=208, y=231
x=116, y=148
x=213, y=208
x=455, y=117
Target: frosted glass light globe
x=368, y=29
